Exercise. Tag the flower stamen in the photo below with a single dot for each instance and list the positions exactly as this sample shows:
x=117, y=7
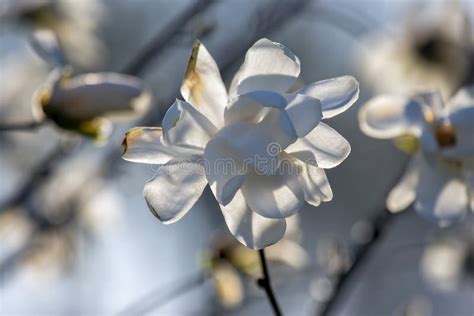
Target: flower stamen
x=445, y=135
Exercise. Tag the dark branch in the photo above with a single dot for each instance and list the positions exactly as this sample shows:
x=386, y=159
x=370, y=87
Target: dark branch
x=162, y=39
x=266, y=285
x=362, y=254
x=23, y=126
x=380, y=223
x=42, y=171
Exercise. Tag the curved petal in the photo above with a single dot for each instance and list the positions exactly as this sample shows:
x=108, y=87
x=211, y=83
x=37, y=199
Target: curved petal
x=275, y=196
x=202, y=85
x=336, y=95
x=251, y=229
x=441, y=194
x=323, y=147
x=174, y=190
x=185, y=126
x=253, y=106
x=89, y=96
x=267, y=66
x=313, y=180
x=391, y=116
x=404, y=193
x=463, y=122
x=46, y=45
x=257, y=145
x=304, y=112
x=463, y=98
x=146, y=145
x=224, y=169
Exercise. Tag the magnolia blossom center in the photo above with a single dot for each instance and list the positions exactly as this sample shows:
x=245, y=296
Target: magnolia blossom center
x=445, y=134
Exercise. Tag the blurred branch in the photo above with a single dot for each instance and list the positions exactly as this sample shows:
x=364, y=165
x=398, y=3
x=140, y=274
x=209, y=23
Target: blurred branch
x=380, y=224
x=156, y=298
x=43, y=224
x=158, y=44
x=162, y=39
x=266, y=285
x=353, y=24
x=42, y=171
x=24, y=126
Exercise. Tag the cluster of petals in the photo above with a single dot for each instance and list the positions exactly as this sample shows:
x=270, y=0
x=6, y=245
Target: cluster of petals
x=261, y=148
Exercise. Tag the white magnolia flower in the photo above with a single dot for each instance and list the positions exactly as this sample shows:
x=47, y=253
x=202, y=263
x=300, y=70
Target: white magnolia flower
x=246, y=143
x=440, y=177
x=82, y=103
x=431, y=51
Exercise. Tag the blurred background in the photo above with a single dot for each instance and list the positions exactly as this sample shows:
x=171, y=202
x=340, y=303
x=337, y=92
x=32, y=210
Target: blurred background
x=76, y=235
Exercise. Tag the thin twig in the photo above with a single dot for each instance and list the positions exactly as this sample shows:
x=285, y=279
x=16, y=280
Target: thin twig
x=37, y=176
x=23, y=126
x=265, y=283
x=156, y=299
x=381, y=222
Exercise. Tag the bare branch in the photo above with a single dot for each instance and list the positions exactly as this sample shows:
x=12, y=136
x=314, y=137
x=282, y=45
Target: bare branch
x=23, y=126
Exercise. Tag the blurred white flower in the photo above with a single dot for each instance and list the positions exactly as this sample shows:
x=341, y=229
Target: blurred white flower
x=440, y=177
x=51, y=254
x=448, y=262
x=81, y=103
x=229, y=262
x=15, y=229
x=262, y=150
x=430, y=52
x=74, y=22
x=333, y=257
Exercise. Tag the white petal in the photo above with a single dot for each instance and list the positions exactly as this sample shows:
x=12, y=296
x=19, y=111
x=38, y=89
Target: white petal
x=323, y=146
x=336, y=95
x=304, y=112
x=46, y=45
x=94, y=95
x=251, y=229
x=441, y=193
x=146, y=145
x=275, y=196
x=404, y=193
x=463, y=98
x=253, y=106
x=463, y=123
x=185, y=126
x=258, y=145
x=260, y=106
x=267, y=66
x=391, y=116
x=174, y=190
x=429, y=144
x=203, y=86
x=314, y=182
x=224, y=169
